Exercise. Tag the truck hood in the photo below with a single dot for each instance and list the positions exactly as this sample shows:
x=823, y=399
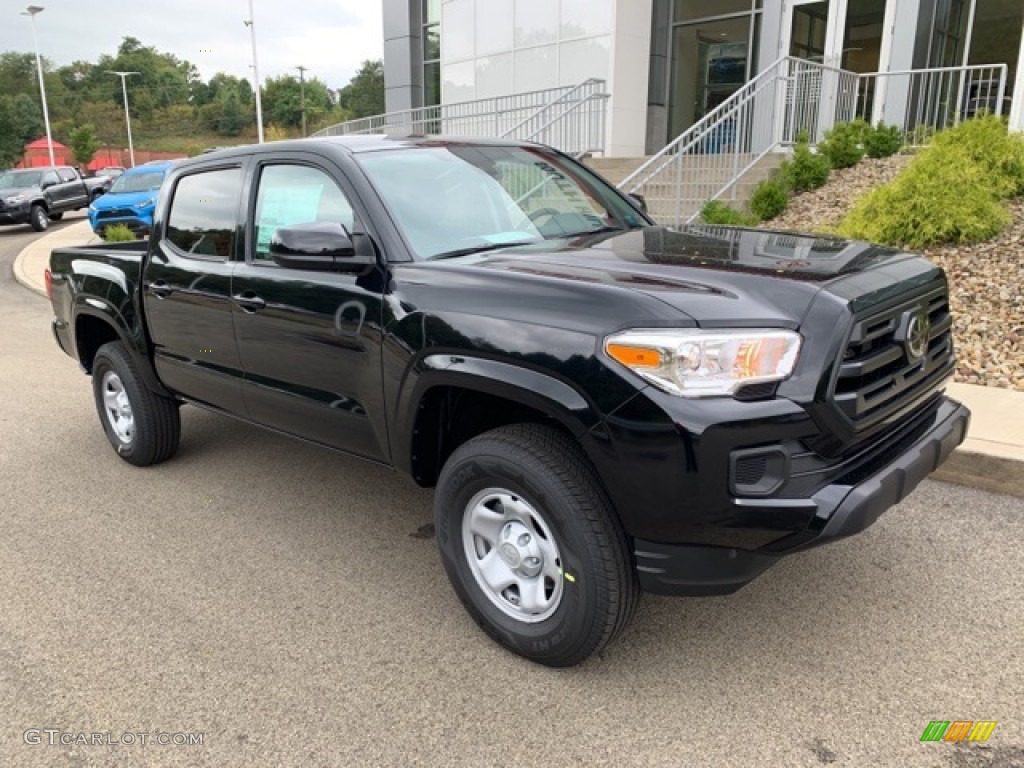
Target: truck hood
x=12, y=191
x=719, y=276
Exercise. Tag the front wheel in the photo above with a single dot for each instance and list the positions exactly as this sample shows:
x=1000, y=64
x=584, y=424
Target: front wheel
x=38, y=218
x=532, y=546
x=143, y=427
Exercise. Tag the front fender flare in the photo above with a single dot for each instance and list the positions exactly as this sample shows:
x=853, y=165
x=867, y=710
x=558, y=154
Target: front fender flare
x=542, y=392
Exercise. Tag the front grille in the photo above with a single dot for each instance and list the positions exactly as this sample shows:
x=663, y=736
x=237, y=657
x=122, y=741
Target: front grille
x=115, y=213
x=878, y=375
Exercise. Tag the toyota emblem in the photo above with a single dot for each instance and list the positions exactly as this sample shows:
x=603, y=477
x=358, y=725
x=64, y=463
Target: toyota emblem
x=918, y=335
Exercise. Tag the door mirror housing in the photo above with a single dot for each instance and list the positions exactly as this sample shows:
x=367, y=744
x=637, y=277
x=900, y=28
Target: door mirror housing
x=323, y=246
x=47, y=183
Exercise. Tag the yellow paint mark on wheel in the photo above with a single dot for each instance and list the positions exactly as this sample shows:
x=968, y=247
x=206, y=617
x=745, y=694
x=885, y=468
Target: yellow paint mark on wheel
x=568, y=576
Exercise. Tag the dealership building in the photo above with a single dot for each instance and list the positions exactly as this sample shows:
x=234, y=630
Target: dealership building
x=665, y=64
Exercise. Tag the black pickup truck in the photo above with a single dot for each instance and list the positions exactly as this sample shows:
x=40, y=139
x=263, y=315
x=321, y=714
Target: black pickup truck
x=603, y=405
x=37, y=196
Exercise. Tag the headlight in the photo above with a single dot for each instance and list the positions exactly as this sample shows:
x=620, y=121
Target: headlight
x=146, y=203
x=15, y=199
x=694, y=363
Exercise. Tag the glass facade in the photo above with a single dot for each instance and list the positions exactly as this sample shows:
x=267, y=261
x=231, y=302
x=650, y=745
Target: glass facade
x=431, y=52
x=713, y=52
x=502, y=47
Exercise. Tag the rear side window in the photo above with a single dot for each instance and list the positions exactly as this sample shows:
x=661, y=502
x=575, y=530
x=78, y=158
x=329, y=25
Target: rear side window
x=204, y=213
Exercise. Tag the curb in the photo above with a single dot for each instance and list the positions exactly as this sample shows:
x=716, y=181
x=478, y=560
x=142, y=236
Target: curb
x=979, y=470
x=21, y=272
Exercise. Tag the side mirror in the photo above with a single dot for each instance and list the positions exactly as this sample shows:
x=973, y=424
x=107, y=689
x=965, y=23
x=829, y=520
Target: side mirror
x=323, y=246
x=48, y=184
x=638, y=200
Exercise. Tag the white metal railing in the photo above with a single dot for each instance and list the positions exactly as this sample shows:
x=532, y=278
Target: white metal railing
x=794, y=96
x=922, y=101
x=706, y=161
x=571, y=118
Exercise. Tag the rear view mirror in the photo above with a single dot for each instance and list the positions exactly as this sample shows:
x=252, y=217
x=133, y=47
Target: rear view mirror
x=323, y=246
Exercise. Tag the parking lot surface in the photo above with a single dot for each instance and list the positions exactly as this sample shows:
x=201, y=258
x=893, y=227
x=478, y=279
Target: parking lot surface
x=287, y=604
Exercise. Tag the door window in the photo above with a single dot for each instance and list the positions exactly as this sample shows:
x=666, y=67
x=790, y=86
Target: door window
x=66, y=174
x=49, y=179
x=204, y=213
x=296, y=194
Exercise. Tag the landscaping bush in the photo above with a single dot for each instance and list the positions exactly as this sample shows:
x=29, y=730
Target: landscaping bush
x=770, y=198
x=986, y=141
x=717, y=212
x=118, y=233
x=950, y=193
x=806, y=170
x=842, y=144
x=883, y=141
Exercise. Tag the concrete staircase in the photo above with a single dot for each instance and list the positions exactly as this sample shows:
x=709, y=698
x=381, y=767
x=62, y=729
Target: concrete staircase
x=701, y=174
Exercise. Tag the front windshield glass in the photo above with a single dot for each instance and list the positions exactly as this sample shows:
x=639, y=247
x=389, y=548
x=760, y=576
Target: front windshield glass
x=15, y=180
x=138, y=182
x=453, y=198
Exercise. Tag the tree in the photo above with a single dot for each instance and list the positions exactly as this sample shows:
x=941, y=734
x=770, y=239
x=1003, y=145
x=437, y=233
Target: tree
x=232, y=118
x=28, y=118
x=364, y=95
x=11, y=147
x=84, y=143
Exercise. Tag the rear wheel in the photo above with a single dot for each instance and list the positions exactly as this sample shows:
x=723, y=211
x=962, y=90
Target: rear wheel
x=531, y=544
x=38, y=218
x=143, y=427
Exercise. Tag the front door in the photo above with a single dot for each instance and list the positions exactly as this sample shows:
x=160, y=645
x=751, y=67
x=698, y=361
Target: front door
x=310, y=341
x=187, y=285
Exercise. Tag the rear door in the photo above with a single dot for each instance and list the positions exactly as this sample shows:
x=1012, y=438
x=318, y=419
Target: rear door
x=310, y=341
x=72, y=189
x=187, y=283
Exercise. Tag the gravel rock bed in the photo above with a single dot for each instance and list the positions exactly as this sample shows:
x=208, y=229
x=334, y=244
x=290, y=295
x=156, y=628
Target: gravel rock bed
x=986, y=279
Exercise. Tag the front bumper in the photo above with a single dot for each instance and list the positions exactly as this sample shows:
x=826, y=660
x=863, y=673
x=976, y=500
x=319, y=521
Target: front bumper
x=842, y=508
x=138, y=225
x=15, y=214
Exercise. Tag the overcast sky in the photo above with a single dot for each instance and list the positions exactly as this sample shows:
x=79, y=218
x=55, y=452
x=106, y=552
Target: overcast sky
x=330, y=37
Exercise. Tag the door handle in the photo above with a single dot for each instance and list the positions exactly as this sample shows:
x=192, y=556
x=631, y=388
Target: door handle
x=249, y=301
x=160, y=289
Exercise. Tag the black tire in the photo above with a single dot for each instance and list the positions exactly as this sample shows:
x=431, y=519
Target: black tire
x=546, y=470
x=56, y=216
x=38, y=218
x=156, y=421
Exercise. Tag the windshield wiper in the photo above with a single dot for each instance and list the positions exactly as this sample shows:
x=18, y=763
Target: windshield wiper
x=477, y=249
x=597, y=230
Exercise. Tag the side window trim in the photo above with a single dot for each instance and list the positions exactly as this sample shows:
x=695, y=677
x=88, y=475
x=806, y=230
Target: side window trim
x=235, y=164
x=301, y=160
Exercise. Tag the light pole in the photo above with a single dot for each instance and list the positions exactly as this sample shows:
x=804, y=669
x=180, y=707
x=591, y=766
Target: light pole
x=251, y=24
x=31, y=12
x=127, y=117
x=302, y=96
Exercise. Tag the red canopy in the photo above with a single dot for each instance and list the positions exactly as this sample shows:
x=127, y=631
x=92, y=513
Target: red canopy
x=41, y=144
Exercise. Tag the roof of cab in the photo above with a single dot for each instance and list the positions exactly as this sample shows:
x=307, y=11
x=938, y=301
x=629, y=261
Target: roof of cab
x=356, y=144
x=152, y=165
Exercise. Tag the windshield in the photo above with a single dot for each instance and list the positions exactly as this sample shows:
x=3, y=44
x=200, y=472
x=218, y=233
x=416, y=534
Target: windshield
x=455, y=198
x=138, y=182
x=25, y=179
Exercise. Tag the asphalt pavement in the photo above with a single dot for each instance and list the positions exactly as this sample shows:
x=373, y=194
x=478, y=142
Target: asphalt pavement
x=286, y=606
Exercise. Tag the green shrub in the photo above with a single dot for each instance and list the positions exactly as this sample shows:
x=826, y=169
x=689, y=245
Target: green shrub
x=118, y=233
x=985, y=141
x=883, y=141
x=941, y=197
x=770, y=198
x=806, y=170
x=717, y=212
x=842, y=145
